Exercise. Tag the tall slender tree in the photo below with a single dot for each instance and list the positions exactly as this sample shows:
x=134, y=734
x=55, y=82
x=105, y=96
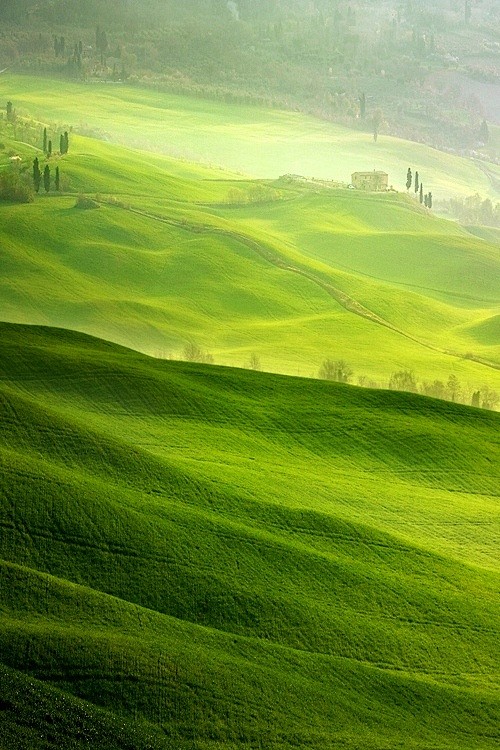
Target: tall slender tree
x=45, y=140
x=409, y=178
x=58, y=180
x=484, y=133
x=37, y=175
x=46, y=178
x=421, y=196
x=417, y=184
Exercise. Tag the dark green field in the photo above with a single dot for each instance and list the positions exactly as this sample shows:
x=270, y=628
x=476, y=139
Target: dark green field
x=206, y=557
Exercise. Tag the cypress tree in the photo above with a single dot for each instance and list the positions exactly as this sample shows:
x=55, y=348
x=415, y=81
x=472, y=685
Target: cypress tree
x=57, y=180
x=429, y=200
x=61, y=144
x=408, y=179
x=484, y=133
x=45, y=140
x=46, y=178
x=49, y=149
x=421, y=196
x=416, y=182
x=37, y=176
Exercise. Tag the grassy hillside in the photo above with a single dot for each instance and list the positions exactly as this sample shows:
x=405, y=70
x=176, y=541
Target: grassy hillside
x=258, y=142
x=202, y=557
x=290, y=271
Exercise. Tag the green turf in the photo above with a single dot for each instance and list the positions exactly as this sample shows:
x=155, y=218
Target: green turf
x=178, y=253
x=206, y=557
x=255, y=141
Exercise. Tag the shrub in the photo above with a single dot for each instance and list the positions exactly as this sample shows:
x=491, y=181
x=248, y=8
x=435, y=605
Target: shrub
x=15, y=187
x=86, y=203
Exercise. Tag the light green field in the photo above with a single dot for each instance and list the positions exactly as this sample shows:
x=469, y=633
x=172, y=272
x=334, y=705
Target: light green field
x=204, y=557
x=298, y=274
x=254, y=141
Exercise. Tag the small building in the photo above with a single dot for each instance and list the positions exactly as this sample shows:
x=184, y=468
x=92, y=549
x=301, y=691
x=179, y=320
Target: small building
x=370, y=181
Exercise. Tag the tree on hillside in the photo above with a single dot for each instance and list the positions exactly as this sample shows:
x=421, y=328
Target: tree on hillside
x=44, y=147
x=63, y=142
x=409, y=179
x=14, y=187
x=10, y=112
x=403, y=380
x=57, y=180
x=453, y=387
x=421, y=196
x=37, y=175
x=417, y=184
x=49, y=148
x=254, y=362
x=489, y=398
x=476, y=399
x=193, y=353
x=46, y=178
x=484, y=133
x=429, y=200
x=337, y=370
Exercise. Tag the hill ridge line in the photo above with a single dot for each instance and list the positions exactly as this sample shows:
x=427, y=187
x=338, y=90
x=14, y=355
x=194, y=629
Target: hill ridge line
x=272, y=256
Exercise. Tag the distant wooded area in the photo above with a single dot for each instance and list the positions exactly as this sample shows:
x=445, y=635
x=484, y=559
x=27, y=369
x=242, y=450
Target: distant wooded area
x=388, y=67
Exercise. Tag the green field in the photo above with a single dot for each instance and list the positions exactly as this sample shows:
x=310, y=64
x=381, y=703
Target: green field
x=207, y=557
x=291, y=272
x=255, y=141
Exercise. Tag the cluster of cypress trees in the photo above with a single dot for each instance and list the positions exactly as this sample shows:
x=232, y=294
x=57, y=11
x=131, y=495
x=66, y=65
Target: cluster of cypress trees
x=426, y=198
x=45, y=176
x=63, y=143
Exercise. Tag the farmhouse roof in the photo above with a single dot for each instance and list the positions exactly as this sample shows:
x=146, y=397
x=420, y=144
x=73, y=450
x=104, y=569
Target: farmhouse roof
x=378, y=171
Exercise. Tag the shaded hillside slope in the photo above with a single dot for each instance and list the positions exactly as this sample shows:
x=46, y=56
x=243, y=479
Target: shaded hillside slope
x=291, y=272
x=202, y=556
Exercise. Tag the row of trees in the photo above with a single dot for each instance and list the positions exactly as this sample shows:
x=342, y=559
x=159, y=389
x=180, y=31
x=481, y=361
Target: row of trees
x=63, y=143
x=45, y=176
x=473, y=210
x=405, y=380
x=29, y=131
x=414, y=179
x=401, y=380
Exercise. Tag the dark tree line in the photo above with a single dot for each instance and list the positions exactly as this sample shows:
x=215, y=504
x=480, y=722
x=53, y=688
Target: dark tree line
x=46, y=177
x=424, y=198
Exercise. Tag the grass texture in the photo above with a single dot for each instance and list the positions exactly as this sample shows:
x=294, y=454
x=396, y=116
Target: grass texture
x=195, y=556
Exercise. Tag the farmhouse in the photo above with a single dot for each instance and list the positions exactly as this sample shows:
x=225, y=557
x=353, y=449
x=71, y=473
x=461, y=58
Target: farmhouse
x=372, y=181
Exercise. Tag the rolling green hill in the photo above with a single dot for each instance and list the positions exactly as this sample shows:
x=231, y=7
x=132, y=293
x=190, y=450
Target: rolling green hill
x=293, y=272
x=259, y=142
x=206, y=557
